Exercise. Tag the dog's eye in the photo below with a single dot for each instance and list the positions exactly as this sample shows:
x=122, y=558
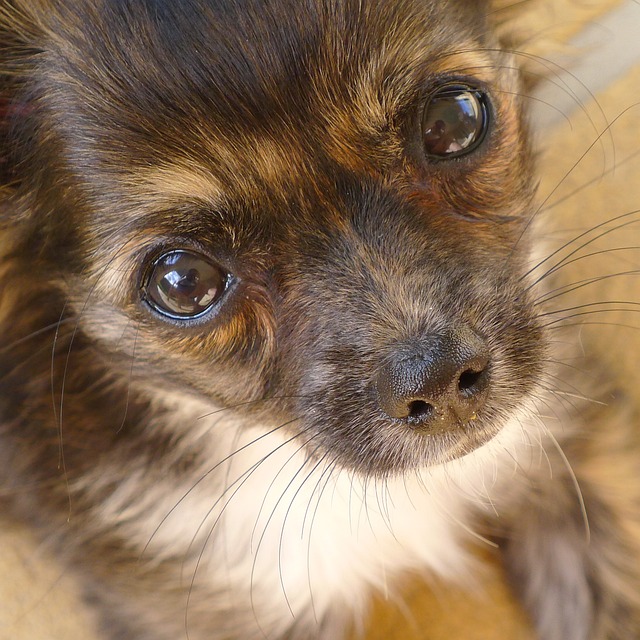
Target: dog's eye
x=183, y=284
x=454, y=122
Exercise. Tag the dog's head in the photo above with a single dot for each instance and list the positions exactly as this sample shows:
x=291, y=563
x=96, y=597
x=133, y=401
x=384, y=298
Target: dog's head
x=310, y=211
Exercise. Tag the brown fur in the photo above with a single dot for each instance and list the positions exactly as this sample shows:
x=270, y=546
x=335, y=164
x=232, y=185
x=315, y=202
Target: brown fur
x=281, y=139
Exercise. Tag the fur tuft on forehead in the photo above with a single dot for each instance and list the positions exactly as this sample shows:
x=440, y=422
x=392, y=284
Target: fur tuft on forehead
x=124, y=110
x=210, y=71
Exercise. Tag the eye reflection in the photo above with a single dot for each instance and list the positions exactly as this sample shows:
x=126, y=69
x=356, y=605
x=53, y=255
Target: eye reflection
x=454, y=122
x=183, y=284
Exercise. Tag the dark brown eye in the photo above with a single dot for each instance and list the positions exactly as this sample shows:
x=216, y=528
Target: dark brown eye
x=455, y=121
x=183, y=284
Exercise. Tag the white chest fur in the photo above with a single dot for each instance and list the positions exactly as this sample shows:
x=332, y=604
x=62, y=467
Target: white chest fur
x=290, y=537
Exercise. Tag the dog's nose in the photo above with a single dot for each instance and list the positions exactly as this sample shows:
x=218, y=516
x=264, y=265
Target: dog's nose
x=438, y=382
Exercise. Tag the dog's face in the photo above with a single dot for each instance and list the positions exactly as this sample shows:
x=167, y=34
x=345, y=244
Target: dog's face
x=312, y=212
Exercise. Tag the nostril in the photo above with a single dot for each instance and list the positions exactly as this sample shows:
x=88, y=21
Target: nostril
x=419, y=410
x=441, y=381
x=469, y=380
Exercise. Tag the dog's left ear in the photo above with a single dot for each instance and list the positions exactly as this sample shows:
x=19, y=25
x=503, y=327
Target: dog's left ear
x=477, y=15
x=518, y=29
x=21, y=34
x=478, y=5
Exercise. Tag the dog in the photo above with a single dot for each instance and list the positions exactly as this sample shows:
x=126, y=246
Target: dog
x=275, y=319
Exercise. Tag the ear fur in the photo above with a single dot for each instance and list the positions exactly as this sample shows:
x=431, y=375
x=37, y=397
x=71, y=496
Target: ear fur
x=539, y=31
x=21, y=36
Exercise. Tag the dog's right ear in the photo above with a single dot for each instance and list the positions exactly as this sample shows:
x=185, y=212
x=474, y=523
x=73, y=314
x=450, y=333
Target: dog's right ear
x=21, y=36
